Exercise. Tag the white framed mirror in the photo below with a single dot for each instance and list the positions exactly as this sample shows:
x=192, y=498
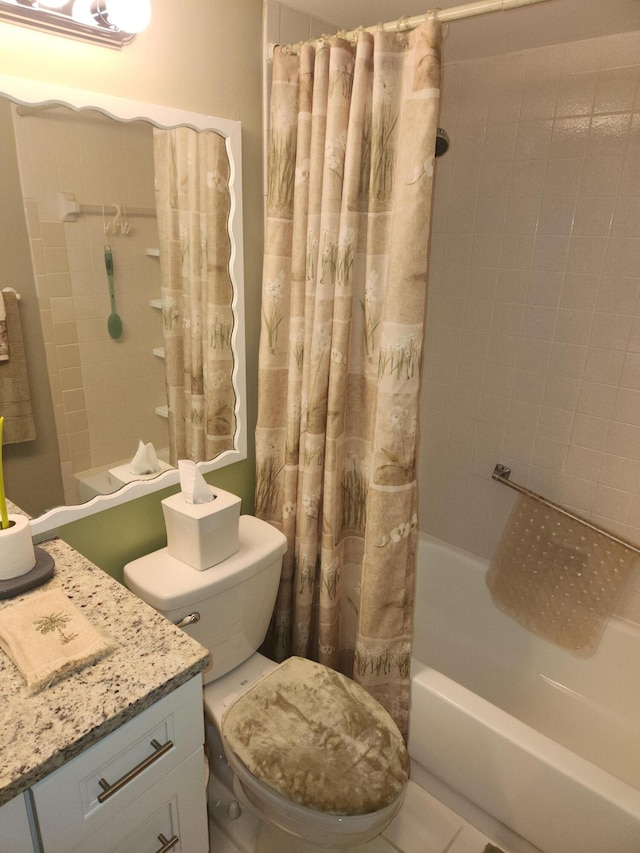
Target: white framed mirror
x=72, y=216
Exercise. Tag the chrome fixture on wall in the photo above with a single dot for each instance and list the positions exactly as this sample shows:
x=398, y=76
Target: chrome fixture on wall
x=111, y=23
x=442, y=142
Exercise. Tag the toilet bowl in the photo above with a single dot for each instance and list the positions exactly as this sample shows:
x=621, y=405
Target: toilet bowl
x=337, y=832
x=227, y=608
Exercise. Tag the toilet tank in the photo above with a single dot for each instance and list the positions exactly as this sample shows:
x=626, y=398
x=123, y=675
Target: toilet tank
x=234, y=599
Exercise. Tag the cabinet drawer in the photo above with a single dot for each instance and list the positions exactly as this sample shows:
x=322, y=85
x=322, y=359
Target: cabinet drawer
x=15, y=832
x=76, y=800
x=174, y=808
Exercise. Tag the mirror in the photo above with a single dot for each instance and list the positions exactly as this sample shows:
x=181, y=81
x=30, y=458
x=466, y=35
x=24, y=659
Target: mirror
x=88, y=184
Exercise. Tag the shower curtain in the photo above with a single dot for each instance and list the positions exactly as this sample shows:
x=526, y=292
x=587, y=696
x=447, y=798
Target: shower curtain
x=193, y=203
x=351, y=150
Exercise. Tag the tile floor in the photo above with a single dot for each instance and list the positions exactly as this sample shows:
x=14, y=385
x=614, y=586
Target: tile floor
x=424, y=825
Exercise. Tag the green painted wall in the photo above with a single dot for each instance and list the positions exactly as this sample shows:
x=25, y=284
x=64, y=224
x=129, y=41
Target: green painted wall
x=112, y=538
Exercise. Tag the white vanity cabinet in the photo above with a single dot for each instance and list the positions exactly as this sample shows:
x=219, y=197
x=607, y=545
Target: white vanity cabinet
x=141, y=789
x=15, y=832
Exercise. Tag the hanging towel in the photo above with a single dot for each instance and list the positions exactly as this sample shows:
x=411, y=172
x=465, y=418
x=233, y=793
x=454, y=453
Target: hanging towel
x=48, y=638
x=15, y=394
x=557, y=577
x=4, y=340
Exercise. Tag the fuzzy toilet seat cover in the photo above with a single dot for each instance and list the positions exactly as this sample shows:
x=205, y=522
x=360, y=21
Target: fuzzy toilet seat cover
x=318, y=739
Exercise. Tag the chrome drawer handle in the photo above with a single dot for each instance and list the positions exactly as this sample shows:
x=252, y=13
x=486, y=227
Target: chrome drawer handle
x=191, y=619
x=109, y=790
x=167, y=843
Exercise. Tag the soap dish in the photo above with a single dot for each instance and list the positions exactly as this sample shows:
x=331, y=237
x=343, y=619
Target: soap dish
x=40, y=573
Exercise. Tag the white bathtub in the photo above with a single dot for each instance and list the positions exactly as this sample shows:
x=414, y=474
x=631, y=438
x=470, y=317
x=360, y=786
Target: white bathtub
x=542, y=741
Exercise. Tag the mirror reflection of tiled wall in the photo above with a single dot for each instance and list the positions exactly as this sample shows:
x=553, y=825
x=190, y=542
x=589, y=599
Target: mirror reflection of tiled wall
x=533, y=330
x=105, y=392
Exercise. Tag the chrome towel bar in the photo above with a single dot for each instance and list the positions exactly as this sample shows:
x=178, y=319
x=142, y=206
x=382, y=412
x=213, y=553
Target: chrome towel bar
x=501, y=475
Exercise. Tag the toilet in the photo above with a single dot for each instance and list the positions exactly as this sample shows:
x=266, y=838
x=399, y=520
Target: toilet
x=306, y=750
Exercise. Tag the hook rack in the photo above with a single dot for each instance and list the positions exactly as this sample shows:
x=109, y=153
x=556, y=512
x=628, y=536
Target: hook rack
x=119, y=224
x=70, y=209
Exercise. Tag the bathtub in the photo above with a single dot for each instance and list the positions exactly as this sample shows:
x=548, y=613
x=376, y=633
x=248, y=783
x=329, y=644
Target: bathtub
x=517, y=729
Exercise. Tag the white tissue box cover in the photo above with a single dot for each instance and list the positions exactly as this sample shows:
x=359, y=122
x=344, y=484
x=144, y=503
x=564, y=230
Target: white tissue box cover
x=202, y=535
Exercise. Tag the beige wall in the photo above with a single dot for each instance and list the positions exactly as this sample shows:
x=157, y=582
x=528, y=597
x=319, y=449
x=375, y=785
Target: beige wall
x=191, y=56
x=200, y=55
x=533, y=330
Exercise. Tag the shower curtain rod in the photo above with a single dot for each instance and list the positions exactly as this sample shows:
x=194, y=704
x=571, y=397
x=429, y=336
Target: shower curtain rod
x=454, y=13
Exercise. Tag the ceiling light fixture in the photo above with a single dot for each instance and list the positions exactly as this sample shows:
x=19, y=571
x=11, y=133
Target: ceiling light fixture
x=111, y=23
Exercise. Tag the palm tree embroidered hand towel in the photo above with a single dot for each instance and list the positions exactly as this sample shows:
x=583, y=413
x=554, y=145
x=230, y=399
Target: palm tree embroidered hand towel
x=48, y=638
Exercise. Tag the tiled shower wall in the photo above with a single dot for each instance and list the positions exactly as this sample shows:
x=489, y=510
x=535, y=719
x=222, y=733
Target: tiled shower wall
x=283, y=25
x=533, y=329
x=104, y=391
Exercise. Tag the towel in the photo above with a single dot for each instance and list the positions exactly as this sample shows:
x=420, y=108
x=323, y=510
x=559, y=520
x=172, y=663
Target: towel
x=558, y=577
x=4, y=340
x=48, y=638
x=15, y=394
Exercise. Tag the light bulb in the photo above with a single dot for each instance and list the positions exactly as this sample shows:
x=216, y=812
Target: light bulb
x=130, y=16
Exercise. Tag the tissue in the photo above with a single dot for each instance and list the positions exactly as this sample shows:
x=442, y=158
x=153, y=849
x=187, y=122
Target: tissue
x=144, y=466
x=193, y=485
x=145, y=461
x=202, y=522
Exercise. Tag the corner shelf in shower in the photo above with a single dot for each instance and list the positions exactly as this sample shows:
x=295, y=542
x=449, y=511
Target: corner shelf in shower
x=161, y=411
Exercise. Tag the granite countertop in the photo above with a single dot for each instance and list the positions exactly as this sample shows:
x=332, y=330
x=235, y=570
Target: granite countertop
x=39, y=733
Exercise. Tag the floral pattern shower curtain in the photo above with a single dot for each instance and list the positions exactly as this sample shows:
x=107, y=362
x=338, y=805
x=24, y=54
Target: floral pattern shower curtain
x=351, y=151
x=193, y=204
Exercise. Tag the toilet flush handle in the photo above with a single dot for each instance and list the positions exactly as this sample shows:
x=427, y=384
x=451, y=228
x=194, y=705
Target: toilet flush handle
x=191, y=619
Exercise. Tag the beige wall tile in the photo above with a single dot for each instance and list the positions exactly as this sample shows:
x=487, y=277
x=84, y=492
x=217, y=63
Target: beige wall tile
x=589, y=431
x=535, y=328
